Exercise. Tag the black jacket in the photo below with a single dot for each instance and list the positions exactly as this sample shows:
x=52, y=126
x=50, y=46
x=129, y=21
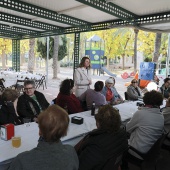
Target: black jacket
x=8, y=114
x=98, y=147
x=23, y=105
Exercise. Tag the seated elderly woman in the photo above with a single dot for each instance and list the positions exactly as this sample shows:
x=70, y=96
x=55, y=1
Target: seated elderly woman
x=104, y=143
x=116, y=94
x=50, y=153
x=146, y=125
x=133, y=91
x=66, y=99
x=110, y=92
x=7, y=110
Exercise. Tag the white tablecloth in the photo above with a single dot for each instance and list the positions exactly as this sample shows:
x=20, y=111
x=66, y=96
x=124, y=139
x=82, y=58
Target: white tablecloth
x=29, y=135
x=11, y=77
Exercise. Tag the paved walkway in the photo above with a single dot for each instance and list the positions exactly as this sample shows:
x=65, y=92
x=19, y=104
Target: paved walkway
x=54, y=84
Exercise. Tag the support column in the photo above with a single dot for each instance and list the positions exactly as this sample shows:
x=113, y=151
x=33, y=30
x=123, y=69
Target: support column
x=76, y=50
x=135, y=49
x=16, y=55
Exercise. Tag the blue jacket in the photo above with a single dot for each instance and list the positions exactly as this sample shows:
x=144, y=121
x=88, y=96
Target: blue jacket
x=116, y=95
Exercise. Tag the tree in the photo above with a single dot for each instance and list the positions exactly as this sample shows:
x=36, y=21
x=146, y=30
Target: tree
x=55, y=56
x=135, y=49
x=157, y=47
x=31, y=55
x=5, y=48
x=146, y=43
x=24, y=47
x=123, y=39
x=62, y=49
x=42, y=47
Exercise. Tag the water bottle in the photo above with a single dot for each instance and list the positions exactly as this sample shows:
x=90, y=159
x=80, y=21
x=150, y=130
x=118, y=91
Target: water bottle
x=65, y=107
x=93, y=109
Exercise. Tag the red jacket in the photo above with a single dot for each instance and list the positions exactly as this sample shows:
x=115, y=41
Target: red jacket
x=70, y=101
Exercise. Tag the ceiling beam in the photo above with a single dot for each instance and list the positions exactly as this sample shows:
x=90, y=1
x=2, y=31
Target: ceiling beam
x=17, y=30
x=37, y=11
x=26, y=22
x=8, y=35
x=111, y=9
x=154, y=18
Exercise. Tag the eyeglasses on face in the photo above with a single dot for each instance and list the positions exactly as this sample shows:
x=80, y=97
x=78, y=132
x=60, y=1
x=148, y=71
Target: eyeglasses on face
x=134, y=82
x=28, y=88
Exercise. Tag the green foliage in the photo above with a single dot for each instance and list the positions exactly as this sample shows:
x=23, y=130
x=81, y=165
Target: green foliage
x=148, y=59
x=42, y=48
x=62, y=49
x=163, y=60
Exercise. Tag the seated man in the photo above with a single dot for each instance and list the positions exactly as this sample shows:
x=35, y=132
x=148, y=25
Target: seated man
x=7, y=110
x=95, y=96
x=32, y=102
x=50, y=153
x=165, y=89
x=146, y=125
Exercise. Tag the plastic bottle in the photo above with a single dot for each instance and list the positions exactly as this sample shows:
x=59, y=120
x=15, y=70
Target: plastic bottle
x=65, y=107
x=93, y=109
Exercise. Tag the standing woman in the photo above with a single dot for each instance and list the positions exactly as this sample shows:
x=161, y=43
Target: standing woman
x=82, y=76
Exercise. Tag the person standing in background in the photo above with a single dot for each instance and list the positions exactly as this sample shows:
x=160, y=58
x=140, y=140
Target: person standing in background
x=82, y=76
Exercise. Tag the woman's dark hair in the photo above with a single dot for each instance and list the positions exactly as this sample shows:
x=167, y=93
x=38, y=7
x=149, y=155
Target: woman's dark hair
x=166, y=80
x=53, y=123
x=153, y=98
x=66, y=85
x=108, y=118
x=83, y=61
x=9, y=95
x=98, y=86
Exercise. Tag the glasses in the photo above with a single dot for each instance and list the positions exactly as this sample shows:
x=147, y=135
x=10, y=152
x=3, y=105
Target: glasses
x=28, y=88
x=135, y=82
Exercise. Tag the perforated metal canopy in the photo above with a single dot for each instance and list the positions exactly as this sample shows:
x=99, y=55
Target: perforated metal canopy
x=39, y=18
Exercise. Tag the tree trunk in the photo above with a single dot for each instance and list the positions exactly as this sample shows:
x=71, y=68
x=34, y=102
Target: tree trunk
x=123, y=61
x=108, y=63
x=31, y=62
x=135, y=49
x=58, y=66
x=55, y=57
x=3, y=59
x=157, y=47
x=22, y=58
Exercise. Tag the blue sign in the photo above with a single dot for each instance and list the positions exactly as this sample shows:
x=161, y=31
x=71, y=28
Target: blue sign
x=147, y=71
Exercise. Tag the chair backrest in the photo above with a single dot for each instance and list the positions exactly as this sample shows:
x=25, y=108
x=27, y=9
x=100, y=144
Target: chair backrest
x=150, y=158
x=126, y=96
x=154, y=152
